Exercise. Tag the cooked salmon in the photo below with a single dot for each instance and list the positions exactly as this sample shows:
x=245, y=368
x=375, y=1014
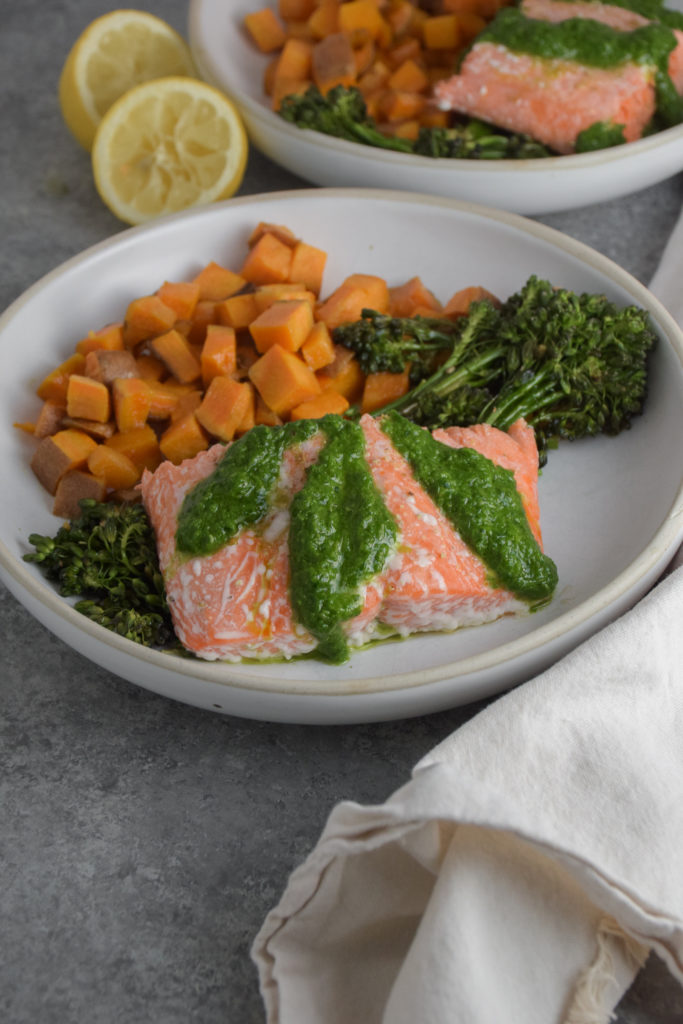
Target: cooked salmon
x=236, y=603
x=552, y=100
x=619, y=18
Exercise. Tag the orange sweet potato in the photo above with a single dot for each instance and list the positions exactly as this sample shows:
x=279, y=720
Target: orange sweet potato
x=140, y=445
x=404, y=299
x=87, y=399
x=328, y=402
x=460, y=302
x=286, y=323
x=105, y=365
x=181, y=296
x=265, y=29
x=132, y=399
x=356, y=292
x=382, y=388
x=268, y=260
x=53, y=387
x=217, y=283
x=56, y=455
x=283, y=380
x=183, y=439
x=223, y=407
x=318, y=350
x=114, y=467
x=145, y=318
x=109, y=337
x=308, y=266
x=219, y=353
x=238, y=311
x=177, y=356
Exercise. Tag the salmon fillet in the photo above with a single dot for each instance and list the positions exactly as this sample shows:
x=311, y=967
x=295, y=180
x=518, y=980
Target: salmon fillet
x=619, y=18
x=235, y=603
x=551, y=100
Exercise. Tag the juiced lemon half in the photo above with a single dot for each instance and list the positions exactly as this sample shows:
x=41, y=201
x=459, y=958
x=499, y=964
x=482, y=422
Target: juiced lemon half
x=167, y=145
x=114, y=53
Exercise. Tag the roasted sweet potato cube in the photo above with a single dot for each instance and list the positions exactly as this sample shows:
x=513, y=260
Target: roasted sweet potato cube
x=73, y=487
x=109, y=337
x=54, y=386
x=87, y=399
x=114, y=467
x=145, y=318
x=286, y=323
x=268, y=261
x=217, y=283
x=59, y=453
x=105, y=366
x=223, y=407
x=140, y=445
x=177, y=355
x=49, y=419
x=283, y=380
x=183, y=439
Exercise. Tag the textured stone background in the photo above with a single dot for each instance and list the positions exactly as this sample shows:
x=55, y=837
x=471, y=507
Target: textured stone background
x=142, y=841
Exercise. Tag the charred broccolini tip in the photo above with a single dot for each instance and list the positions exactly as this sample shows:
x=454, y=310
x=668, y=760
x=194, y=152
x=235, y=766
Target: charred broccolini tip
x=572, y=365
x=107, y=556
x=342, y=112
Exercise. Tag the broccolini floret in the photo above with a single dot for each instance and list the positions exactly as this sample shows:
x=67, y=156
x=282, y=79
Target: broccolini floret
x=572, y=365
x=108, y=557
x=342, y=112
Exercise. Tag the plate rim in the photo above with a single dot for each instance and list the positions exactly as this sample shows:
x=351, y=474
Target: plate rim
x=226, y=674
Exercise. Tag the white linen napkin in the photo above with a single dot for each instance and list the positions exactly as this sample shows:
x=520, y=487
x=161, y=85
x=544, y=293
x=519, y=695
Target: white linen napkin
x=531, y=863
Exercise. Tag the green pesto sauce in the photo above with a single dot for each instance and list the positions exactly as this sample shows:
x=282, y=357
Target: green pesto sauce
x=600, y=135
x=654, y=10
x=593, y=44
x=238, y=493
x=341, y=535
x=482, y=502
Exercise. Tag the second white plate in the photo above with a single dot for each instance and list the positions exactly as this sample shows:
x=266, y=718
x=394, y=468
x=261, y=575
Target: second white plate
x=226, y=58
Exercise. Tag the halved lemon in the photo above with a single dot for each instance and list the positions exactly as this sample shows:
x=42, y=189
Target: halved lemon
x=115, y=52
x=167, y=145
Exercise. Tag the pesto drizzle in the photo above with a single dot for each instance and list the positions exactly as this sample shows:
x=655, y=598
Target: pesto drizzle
x=482, y=502
x=341, y=535
x=594, y=44
x=238, y=491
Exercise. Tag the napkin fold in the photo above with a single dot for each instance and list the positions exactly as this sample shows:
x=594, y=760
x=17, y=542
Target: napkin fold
x=531, y=863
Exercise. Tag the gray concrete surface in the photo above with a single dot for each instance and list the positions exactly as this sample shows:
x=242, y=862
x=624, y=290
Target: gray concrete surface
x=143, y=841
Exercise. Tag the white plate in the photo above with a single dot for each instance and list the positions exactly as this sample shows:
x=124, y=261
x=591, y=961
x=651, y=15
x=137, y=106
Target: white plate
x=225, y=57
x=610, y=508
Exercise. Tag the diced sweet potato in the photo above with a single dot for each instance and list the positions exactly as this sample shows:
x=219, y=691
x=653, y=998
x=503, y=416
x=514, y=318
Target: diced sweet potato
x=315, y=408
x=132, y=400
x=73, y=487
x=145, y=318
x=343, y=375
x=149, y=368
x=176, y=354
x=283, y=380
x=53, y=387
x=404, y=299
x=217, y=283
x=105, y=366
x=286, y=323
x=98, y=431
x=181, y=296
x=280, y=231
x=140, y=445
x=59, y=453
x=266, y=294
x=237, y=311
x=333, y=62
x=264, y=414
x=206, y=312
x=114, y=467
x=249, y=418
x=308, y=266
x=265, y=29
x=223, y=407
x=460, y=302
x=183, y=439
x=355, y=293
x=219, y=353
x=109, y=337
x=87, y=399
x=49, y=419
x=382, y=388
x=318, y=349
x=268, y=261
